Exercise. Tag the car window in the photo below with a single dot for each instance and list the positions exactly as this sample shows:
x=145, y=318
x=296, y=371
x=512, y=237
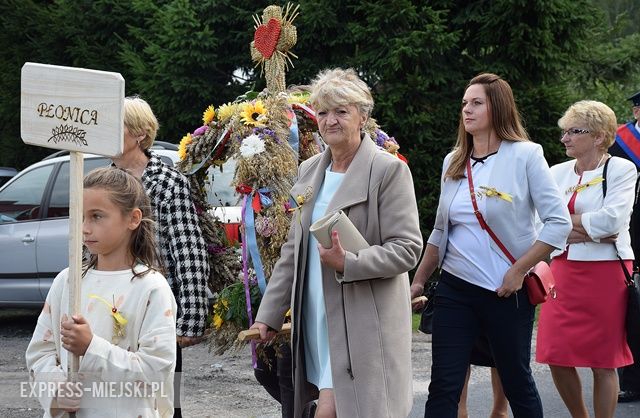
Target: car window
x=220, y=191
x=167, y=160
x=59, y=203
x=20, y=200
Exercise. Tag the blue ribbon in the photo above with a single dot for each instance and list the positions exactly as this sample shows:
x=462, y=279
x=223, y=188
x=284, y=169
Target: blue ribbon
x=252, y=242
x=264, y=197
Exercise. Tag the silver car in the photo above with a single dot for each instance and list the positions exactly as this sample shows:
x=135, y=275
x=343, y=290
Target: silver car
x=34, y=226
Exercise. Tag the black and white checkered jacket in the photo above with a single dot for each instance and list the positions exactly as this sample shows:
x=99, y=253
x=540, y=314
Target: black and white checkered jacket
x=181, y=243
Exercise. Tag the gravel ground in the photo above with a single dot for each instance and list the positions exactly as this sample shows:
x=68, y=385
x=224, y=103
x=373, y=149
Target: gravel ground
x=224, y=386
x=214, y=386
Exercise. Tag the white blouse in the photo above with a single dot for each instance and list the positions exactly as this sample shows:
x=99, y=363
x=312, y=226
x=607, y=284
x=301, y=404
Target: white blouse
x=466, y=255
x=600, y=218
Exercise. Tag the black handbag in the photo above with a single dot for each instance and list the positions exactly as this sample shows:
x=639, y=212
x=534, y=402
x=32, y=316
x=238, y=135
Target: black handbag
x=632, y=318
x=426, y=320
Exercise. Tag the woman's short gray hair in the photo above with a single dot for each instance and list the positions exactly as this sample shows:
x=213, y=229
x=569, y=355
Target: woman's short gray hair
x=338, y=87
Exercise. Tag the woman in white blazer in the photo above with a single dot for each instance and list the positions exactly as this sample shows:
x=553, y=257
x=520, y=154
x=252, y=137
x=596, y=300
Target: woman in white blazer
x=584, y=325
x=480, y=291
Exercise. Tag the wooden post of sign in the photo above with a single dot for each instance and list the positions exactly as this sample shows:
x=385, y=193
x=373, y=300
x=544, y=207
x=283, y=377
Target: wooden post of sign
x=78, y=110
x=75, y=245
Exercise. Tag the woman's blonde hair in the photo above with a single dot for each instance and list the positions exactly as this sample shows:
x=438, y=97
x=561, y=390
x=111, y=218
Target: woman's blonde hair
x=598, y=117
x=126, y=192
x=505, y=121
x=338, y=87
x=140, y=120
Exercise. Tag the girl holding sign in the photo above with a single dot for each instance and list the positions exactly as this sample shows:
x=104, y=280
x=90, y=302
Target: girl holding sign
x=126, y=333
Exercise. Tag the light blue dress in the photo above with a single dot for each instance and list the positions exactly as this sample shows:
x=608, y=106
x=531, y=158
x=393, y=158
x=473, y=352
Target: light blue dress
x=314, y=317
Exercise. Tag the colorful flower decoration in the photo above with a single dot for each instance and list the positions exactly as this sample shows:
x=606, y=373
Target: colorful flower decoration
x=254, y=114
x=265, y=226
x=208, y=115
x=268, y=134
x=227, y=111
x=252, y=145
x=182, y=148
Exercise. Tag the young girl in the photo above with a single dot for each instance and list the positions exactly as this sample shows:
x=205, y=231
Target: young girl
x=126, y=333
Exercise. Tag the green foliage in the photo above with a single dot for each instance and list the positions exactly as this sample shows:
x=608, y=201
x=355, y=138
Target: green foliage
x=231, y=305
x=417, y=57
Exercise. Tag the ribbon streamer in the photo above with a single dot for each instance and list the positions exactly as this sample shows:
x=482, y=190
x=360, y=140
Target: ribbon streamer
x=247, y=293
x=252, y=243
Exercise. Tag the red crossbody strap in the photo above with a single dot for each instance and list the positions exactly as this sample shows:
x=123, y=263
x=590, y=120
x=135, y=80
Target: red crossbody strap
x=483, y=223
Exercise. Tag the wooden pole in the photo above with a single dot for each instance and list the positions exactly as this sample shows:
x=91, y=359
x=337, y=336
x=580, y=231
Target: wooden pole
x=254, y=334
x=76, y=174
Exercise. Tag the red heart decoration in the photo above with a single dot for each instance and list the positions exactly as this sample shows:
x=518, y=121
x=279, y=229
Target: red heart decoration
x=266, y=37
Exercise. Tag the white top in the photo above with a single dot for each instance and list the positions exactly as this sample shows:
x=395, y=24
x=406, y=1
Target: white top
x=600, y=219
x=467, y=256
x=111, y=365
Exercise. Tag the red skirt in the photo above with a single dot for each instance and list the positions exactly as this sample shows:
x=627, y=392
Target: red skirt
x=584, y=325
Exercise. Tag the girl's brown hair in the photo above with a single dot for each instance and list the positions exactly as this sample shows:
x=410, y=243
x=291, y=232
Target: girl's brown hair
x=126, y=192
x=505, y=121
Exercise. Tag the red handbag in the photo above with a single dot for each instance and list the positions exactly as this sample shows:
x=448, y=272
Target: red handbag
x=539, y=280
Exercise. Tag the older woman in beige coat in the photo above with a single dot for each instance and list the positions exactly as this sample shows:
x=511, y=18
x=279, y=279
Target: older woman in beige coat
x=360, y=300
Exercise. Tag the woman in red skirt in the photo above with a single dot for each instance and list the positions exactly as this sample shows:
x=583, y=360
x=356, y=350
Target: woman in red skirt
x=584, y=325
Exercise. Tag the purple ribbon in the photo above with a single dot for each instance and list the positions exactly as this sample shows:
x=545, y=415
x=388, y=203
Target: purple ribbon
x=247, y=293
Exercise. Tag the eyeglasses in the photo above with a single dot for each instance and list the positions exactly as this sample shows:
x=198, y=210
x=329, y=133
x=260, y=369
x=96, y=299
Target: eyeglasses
x=573, y=132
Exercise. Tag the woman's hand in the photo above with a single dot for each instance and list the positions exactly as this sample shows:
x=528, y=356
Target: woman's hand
x=333, y=257
x=576, y=237
x=266, y=332
x=512, y=282
x=188, y=341
x=579, y=237
x=76, y=334
x=611, y=239
x=417, y=290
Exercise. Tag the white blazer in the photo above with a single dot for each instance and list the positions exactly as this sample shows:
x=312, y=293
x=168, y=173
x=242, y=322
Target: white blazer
x=520, y=170
x=600, y=218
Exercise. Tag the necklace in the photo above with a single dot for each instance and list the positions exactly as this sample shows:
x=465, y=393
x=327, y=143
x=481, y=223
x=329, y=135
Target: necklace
x=575, y=167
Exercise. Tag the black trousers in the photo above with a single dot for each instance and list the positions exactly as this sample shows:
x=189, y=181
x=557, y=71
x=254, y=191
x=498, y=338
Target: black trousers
x=177, y=381
x=464, y=311
x=276, y=376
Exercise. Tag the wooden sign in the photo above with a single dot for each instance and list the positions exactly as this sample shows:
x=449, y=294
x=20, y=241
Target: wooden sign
x=74, y=109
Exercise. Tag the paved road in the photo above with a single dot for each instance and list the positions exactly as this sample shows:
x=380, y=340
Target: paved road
x=480, y=395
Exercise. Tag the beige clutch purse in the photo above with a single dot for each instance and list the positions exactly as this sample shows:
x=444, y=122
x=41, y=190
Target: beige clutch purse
x=350, y=238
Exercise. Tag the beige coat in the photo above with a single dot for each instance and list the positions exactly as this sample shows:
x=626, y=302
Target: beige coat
x=369, y=315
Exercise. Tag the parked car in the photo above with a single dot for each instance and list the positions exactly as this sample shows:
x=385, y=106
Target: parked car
x=222, y=196
x=34, y=226
x=6, y=173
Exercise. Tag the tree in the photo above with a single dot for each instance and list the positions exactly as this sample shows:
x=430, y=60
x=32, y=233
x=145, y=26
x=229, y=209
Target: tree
x=417, y=57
